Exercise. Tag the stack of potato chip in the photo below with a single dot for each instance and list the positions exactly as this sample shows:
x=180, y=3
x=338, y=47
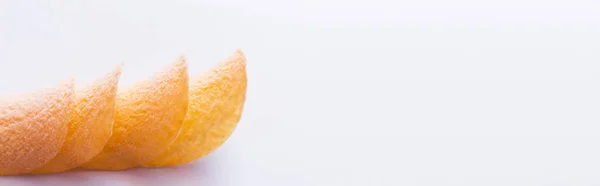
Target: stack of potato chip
x=166, y=120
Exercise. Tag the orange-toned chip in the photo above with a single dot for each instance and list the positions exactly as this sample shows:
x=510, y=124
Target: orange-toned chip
x=90, y=126
x=33, y=128
x=215, y=107
x=148, y=118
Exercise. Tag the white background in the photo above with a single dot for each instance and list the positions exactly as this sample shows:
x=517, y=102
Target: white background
x=345, y=92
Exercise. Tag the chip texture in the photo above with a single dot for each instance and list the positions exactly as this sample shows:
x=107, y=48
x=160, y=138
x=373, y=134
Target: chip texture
x=215, y=107
x=148, y=118
x=90, y=125
x=33, y=128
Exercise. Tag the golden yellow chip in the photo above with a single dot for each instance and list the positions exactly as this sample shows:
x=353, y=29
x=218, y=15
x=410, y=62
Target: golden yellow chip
x=34, y=128
x=215, y=107
x=148, y=118
x=90, y=126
